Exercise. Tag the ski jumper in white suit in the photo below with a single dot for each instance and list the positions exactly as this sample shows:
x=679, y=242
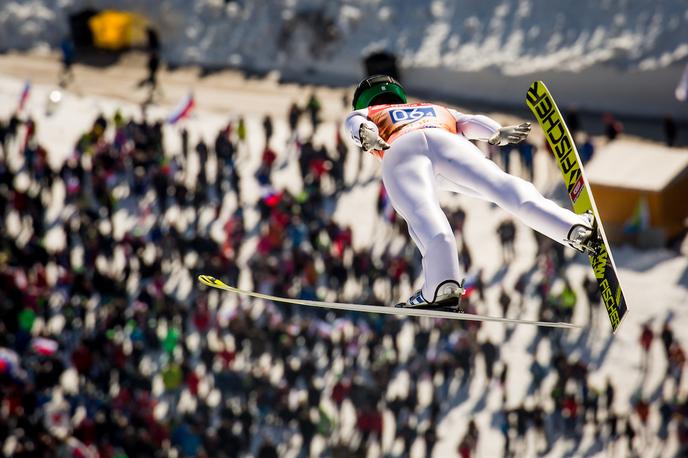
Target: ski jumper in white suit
x=430, y=150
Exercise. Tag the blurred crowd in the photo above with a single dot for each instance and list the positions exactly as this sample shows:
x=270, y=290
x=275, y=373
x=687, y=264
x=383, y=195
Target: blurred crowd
x=105, y=349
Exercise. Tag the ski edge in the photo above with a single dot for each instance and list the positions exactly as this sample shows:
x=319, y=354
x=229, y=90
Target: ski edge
x=213, y=282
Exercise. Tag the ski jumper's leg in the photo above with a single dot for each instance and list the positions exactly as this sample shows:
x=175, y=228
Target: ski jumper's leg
x=459, y=164
x=408, y=175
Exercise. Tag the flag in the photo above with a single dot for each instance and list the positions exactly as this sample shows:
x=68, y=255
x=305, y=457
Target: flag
x=270, y=195
x=182, y=110
x=9, y=361
x=470, y=285
x=640, y=220
x=682, y=88
x=43, y=346
x=26, y=91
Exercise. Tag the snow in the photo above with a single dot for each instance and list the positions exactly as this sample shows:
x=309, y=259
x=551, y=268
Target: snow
x=629, y=161
x=466, y=49
x=655, y=282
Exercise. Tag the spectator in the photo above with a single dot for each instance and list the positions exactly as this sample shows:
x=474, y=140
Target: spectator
x=458, y=219
x=267, y=450
x=567, y=300
x=268, y=158
x=609, y=396
x=572, y=121
x=505, y=429
x=241, y=130
x=593, y=295
x=465, y=258
x=184, y=135
x=153, y=65
x=570, y=410
x=342, y=148
x=340, y=392
x=267, y=129
x=587, y=150
x=491, y=355
x=629, y=432
x=504, y=301
x=307, y=429
x=526, y=152
x=505, y=155
x=677, y=360
x=666, y=412
x=538, y=417
x=646, y=337
x=202, y=151
x=669, y=130
x=313, y=107
x=469, y=444
x=612, y=127
x=612, y=426
x=667, y=336
x=293, y=117
x=507, y=235
x=538, y=373
x=520, y=288
x=430, y=439
x=68, y=54
x=590, y=404
x=642, y=410
x=224, y=151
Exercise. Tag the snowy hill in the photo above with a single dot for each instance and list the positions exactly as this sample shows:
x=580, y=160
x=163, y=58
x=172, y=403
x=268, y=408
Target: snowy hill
x=611, y=55
x=655, y=282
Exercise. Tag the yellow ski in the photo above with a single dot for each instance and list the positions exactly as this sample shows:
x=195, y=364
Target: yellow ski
x=559, y=138
x=405, y=311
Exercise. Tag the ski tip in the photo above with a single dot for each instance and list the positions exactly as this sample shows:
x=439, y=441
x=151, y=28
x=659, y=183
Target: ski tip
x=208, y=280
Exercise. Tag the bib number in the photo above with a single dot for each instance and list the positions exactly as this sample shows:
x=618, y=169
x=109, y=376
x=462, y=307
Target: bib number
x=411, y=114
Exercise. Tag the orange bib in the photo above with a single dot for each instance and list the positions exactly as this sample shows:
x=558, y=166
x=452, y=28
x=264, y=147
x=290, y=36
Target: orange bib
x=393, y=121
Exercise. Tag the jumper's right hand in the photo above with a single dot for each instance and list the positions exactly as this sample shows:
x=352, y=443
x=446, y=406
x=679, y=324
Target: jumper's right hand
x=510, y=134
x=370, y=139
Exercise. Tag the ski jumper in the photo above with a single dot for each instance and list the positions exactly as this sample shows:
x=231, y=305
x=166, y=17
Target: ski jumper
x=430, y=150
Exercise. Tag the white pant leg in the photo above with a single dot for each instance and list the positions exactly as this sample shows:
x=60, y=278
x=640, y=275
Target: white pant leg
x=409, y=178
x=461, y=165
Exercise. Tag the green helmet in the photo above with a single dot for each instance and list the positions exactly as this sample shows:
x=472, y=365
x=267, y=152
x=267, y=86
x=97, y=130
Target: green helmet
x=376, y=90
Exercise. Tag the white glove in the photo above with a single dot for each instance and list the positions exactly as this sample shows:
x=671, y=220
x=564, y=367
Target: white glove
x=370, y=139
x=510, y=134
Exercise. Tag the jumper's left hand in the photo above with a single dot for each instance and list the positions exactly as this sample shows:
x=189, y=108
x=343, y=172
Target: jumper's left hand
x=510, y=134
x=370, y=139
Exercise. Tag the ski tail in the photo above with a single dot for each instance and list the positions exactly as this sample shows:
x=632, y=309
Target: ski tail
x=542, y=104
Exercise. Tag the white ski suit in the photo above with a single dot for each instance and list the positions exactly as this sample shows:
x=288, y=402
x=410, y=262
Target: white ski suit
x=430, y=150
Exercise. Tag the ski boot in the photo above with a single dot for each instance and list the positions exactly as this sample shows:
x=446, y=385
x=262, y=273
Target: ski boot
x=585, y=238
x=447, y=297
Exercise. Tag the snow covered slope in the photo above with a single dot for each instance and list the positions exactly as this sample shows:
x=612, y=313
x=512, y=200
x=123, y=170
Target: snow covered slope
x=655, y=282
x=615, y=54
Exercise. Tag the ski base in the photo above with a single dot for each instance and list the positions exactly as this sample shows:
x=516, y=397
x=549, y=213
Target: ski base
x=213, y=282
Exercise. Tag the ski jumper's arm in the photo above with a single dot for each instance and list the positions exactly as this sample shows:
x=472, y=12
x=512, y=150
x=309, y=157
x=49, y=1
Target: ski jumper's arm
x=355, y=120
x=475, y=127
